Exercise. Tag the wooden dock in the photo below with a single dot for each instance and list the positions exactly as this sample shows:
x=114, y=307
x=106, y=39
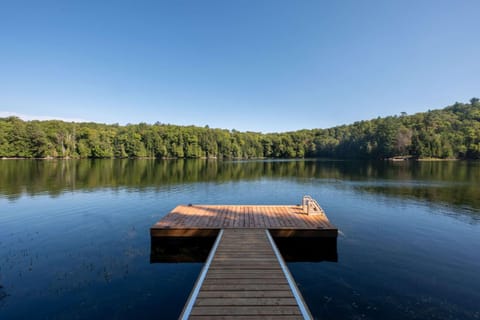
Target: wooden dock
x=245, y=276
x=207, y=220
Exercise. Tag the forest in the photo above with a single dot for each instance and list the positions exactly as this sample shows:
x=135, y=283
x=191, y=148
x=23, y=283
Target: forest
x=449, y=133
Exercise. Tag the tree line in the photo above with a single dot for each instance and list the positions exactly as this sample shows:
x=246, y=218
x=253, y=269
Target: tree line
x=452, y=132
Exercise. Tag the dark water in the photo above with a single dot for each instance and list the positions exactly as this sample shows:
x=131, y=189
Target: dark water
x=74, y=235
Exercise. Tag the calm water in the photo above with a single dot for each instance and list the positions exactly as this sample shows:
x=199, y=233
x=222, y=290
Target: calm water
x=74, y=235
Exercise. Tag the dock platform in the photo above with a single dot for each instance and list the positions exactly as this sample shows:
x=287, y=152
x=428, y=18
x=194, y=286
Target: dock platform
x=207, y=220
x=245, y=275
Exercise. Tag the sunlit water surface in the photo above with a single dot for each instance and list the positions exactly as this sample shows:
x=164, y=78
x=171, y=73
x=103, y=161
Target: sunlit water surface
x=74, y=235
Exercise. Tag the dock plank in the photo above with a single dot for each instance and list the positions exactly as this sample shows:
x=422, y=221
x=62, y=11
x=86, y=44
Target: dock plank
x=264, y=317
x=246, y=294
x=290, y=301
x=245, y=310
x=244, y=279
x=197, y=218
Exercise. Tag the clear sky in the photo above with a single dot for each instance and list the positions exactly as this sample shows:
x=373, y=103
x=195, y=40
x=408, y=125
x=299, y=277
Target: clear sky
x=237, y=64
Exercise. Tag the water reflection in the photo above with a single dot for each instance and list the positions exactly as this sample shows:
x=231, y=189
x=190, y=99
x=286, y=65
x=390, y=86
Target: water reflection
x=196, y=249
x=453, y=183
x=308, y=249
x=74, y=241
x=3, y=294
x=180, y=249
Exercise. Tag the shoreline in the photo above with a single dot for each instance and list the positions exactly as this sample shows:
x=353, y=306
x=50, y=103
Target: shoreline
x=396, y=160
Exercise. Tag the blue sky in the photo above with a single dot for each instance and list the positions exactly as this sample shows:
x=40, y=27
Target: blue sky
x=245, y=65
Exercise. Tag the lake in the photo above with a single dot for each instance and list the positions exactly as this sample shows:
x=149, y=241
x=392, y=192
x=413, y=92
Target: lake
x=75, y=244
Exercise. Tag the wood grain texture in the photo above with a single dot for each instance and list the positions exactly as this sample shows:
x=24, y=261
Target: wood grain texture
x=205, y=220
x=245, y=281
x=264, y=317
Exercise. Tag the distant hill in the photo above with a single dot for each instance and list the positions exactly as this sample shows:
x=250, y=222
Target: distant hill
x=452, y=132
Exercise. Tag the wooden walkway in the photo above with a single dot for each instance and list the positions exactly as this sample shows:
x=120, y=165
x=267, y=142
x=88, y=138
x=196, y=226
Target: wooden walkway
x=245, y=277
x=206, y=220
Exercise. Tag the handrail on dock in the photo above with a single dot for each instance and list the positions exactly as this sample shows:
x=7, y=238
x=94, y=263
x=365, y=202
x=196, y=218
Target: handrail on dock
x=311, y=207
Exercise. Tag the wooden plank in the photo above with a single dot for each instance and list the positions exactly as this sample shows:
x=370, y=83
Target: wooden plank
x=247, y=258
x=246, y=301
x=233, y=257
x=245, y=310
x=250, y=283
x=245, y=287
x=239, y=272
x=245, y=281
x=248, y=216
x=244, y=275
x=264, y=317
x=235, y=267
x=245, y=294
